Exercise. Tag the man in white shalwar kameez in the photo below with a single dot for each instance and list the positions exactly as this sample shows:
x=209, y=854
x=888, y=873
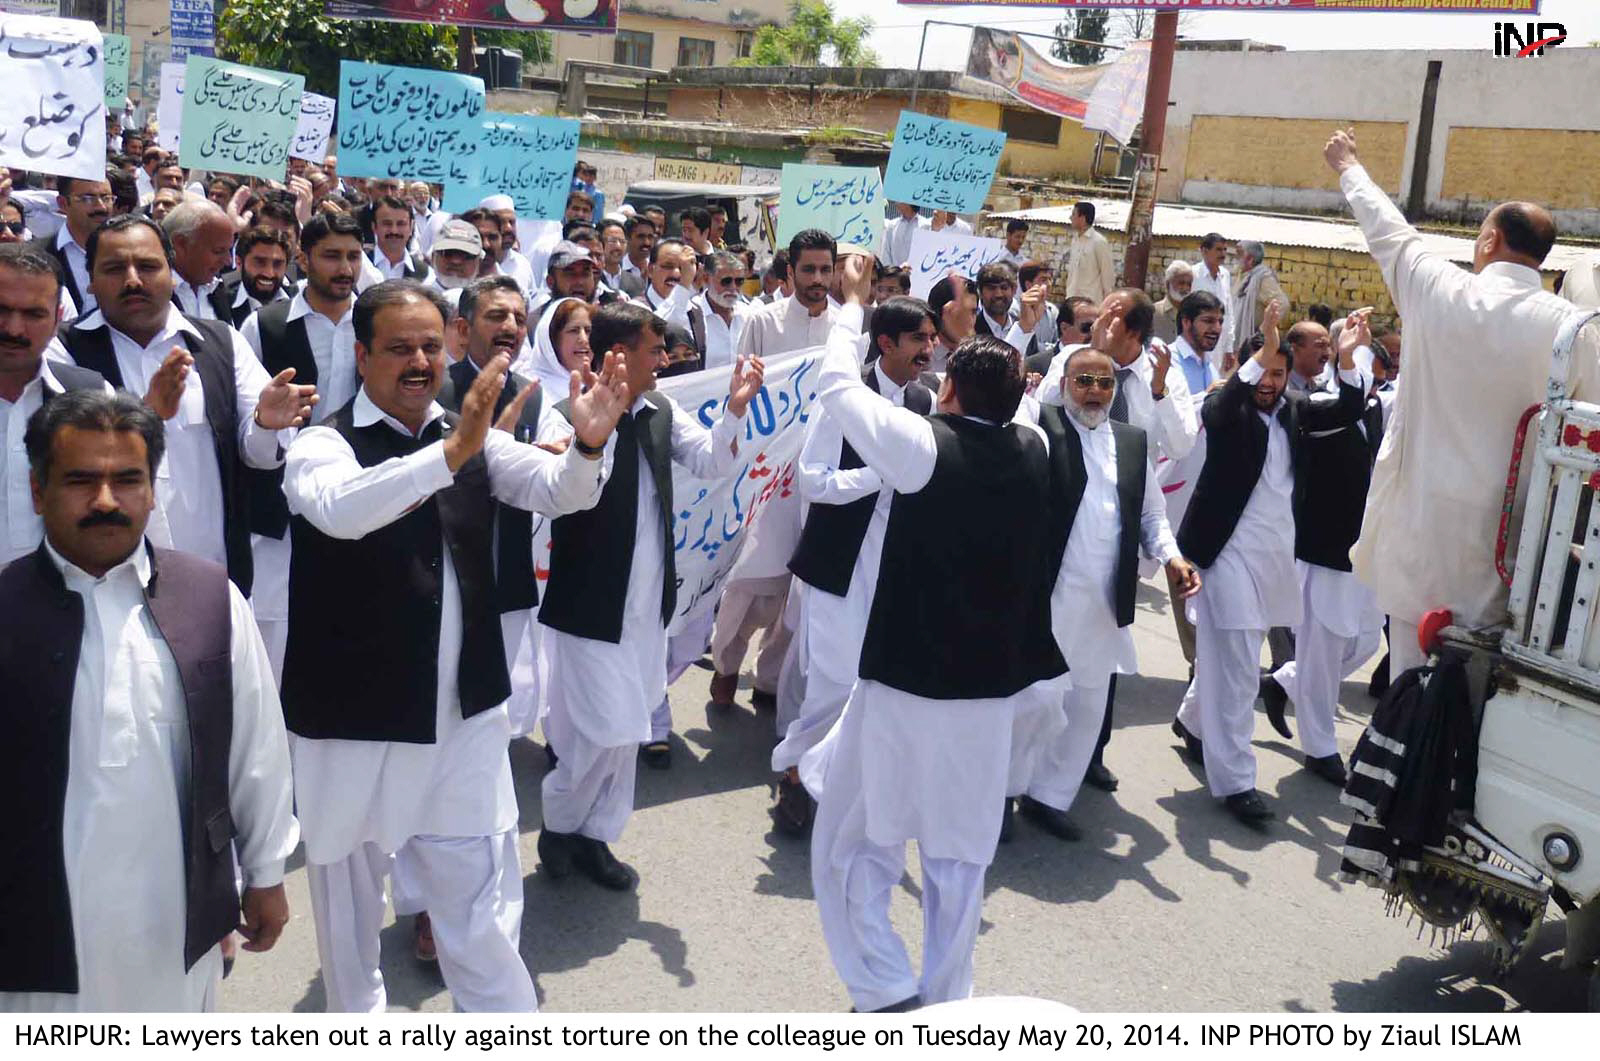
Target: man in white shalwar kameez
x=1477, y=353
x=931, y=765
x=105, y=921
x=421, y=775
x=605, y=624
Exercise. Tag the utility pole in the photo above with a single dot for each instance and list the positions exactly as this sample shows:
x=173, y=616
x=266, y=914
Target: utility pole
x=466, y=62
x=1141, y=214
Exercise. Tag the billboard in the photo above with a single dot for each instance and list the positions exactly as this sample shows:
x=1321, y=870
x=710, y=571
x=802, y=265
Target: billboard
x=584, y=16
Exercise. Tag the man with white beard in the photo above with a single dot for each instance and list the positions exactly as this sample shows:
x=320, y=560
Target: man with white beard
x=722, y=310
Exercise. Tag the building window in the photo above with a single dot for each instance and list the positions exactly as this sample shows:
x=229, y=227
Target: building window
x=89, y=10
x=634, y=48
x=743, y=41
x=694, y=52
x=1035, y=127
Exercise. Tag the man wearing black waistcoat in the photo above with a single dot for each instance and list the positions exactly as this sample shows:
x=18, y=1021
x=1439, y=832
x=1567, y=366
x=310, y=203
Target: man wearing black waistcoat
x=613, y=589
x=121, y=661
x=313, y=334
x=1114, y=510
x=261, y=279
x=1340, y=625
x=223, y=412
x=394, y=680
x=837, y=558
x=957, y=642
x=1239, y=529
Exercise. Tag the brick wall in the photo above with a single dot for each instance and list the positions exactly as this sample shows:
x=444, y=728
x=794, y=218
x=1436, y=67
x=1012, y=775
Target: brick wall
x=1553, y=167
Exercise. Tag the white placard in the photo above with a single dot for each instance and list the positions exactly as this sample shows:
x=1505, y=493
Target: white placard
x=52, y=111
x=316, y=122
x=934, y=254
x=169, y=112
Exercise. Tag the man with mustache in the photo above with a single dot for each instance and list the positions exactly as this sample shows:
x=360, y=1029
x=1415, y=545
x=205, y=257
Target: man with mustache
x=613, y=590
x=757, y=592
x=667, y=293
x=144, y=747
x=86, y=204
x=392, y=227
x=837, y=558
x=394, y=680
x=1239, y=529
x=312, y=333
x=222, y=410
x=723, y=312
x=261, y=277
x=202, y=247
x=30, y=309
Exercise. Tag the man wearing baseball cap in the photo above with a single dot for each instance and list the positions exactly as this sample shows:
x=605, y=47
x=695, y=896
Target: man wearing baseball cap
x=571, y=273
x=457, y=250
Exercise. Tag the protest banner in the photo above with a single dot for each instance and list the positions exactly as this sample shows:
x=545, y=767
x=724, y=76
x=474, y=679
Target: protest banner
x=1117, y=104
x=52, y=114
x=581, y=16
x=934, y=254
x=942, y=164
x=418, y=124
x=846, y=202
x=525, y=156
x=1005, y=60
x=238, y=119
x=169, y=107
x=316, y=122
x=118, y=55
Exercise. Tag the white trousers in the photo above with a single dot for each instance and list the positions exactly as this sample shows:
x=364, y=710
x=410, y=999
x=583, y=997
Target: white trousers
x=275, y=636
x=471, y=887
x=854, y=879
x=823, y=704
x=1061, y=764
x=1404, y=652
x=591, y=789
x=793, y=676
x=1322, y=660
x=740, y=617
x=1219, y=705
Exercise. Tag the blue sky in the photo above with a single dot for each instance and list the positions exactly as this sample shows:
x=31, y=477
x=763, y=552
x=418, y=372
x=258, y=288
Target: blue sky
x=900, y=27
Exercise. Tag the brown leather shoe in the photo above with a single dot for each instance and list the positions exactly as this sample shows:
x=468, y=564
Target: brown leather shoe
x=724, y=687
x=423, y=929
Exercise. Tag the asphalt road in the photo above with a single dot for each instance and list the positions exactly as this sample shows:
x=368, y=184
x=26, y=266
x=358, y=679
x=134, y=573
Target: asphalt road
x=1166, y=905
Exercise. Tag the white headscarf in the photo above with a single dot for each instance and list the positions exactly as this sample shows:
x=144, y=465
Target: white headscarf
x=545, y=365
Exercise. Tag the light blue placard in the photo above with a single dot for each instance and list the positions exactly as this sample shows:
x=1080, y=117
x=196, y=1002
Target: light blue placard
x=942, y=164
x=846, y=202
x=237, y=119
x=395, y=121
x=526, y=156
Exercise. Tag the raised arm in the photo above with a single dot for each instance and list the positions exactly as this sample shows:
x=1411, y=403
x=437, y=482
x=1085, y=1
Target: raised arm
x=821, y=479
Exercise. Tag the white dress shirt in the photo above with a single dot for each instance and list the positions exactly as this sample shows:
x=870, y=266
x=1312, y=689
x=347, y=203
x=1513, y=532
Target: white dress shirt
x=897, y=236
x=722, y=337
x=128, y=777
x=517, y=266
x=145, y=184
x=189, y=514
x=196, y=301
x=21, y=529
x=1172, y=424
x=674, y=308
x=78, y=262
x=390, y=270
x=353, y=791
x=608, y=690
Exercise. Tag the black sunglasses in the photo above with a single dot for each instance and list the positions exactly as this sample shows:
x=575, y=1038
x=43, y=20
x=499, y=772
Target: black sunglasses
x=14, y=227
x=1087, y=380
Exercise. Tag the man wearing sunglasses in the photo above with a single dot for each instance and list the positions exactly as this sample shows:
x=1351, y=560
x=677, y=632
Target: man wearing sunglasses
x=723, y=311
x=86, y=204
x=1113, y=510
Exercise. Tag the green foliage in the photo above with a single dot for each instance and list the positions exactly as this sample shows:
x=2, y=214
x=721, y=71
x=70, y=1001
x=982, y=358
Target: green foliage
x=1085, y=26
x=813, y=29
x=296, y=37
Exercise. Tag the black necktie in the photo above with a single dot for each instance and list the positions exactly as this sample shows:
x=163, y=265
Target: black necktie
x=1119, y=401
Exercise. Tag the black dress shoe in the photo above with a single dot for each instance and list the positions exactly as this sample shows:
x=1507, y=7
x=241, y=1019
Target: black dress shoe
x=1055, y=822
x=763, y=701
x=1276, y=699
x=555, y=852
x=595, y=861
x=1101, y=778
x=1008, y=820
x=1329, y=768
x=657, y=755
x=905, y=1005
x=1249, y=808
x=1191, y=744
x=795, y=808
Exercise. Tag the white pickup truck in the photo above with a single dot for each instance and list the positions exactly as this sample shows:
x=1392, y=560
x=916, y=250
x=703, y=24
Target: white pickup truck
x=1534, y=832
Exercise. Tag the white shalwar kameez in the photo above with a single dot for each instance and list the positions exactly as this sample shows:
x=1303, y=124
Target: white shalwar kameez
x=1340, y=629
x=1083, y=613
x=900, y=767
x=127, y=775
x=447, y=808
x=602, y=694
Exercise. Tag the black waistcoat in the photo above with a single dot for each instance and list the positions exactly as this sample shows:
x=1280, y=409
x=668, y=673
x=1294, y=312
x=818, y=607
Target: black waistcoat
x=962, y=608
x=516, y=586
x=362, y=660
x=213, y=360
x=1070, y=479
x=591, y=552
x=41, y=632
x=1336, y=469
x=47, y=245
x=284, y=344
x=830, y=541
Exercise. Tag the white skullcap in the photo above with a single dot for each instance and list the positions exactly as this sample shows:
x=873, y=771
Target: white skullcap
x=498, y=202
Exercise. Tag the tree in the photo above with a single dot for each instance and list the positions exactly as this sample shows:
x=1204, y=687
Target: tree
x=1085, y=26
x=814, y=34
x=296, y=37
x=1140, y=24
